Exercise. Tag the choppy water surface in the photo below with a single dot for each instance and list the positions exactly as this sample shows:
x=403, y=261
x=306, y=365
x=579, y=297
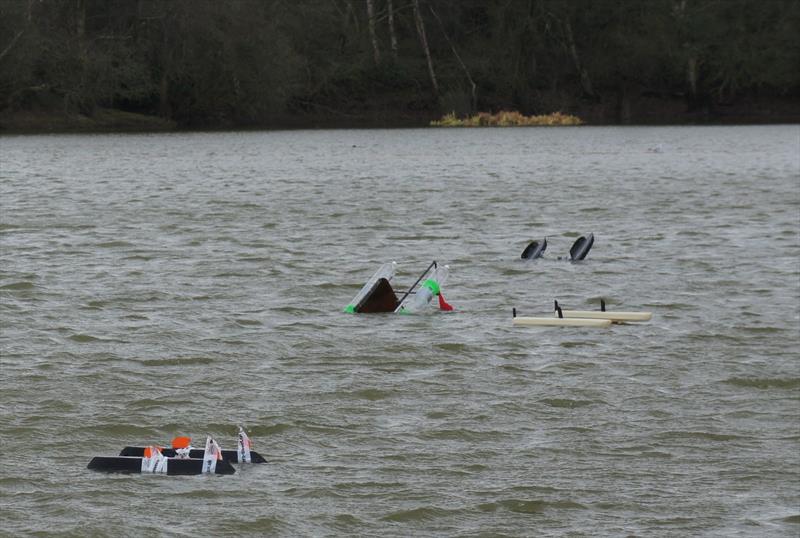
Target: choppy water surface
x=156, y=285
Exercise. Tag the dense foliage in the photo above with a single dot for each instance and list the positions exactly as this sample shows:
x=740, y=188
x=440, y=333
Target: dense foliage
x=240, y=62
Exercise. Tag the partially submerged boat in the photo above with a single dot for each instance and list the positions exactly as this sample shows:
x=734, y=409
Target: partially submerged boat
x=378, y=296
x=153, y=461
x=179, y=459
x=580, y=318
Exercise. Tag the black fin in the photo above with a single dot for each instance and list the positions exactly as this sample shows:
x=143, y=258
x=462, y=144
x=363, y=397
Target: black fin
x=581, y=247
x=534, y=250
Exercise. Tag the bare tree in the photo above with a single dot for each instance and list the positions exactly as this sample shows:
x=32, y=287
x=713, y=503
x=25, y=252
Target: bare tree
x=692, y=63
x=11, y=43
x=392, y=34
x=586, y=82
x=423, y=39
x=474, y=100
x=16, y=37
x=376, y=51
x=80, y=30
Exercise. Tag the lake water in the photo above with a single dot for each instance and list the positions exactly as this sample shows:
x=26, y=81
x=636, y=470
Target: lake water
x=168, y=284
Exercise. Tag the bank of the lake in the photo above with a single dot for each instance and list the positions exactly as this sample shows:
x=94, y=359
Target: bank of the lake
x=642, y=111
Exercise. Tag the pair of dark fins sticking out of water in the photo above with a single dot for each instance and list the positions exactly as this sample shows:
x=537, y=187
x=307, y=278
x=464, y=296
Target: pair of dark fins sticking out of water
x=382, y=298
x=580, y=248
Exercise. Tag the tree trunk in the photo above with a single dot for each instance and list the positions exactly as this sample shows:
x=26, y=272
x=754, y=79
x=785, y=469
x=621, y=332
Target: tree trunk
x=692, y=60
x=84, y=95
x=164, y=109
x=423, y=39
x=351, y=14
x=623, y=105
x=13, y=42
x=691, y=75
x=80, y=30
x=392, y=34
x=28, y=19
x=586, y=82
x=474, y=98
x=376, y=51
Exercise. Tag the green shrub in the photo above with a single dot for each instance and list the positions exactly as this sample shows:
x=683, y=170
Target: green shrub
x=506, y=118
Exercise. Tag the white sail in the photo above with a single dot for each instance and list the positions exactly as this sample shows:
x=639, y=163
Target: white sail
x=243, y=448
x=154, y=461
x=211, y=454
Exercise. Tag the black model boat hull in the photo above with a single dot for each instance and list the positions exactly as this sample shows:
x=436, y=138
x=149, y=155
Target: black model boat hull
x=175, y=466
x=231, y=456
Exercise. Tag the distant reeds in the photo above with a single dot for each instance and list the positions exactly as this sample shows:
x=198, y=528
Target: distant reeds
x=506, y=118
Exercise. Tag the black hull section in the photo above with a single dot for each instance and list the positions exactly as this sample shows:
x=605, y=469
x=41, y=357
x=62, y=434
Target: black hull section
x=227, y=455
x=175, y=466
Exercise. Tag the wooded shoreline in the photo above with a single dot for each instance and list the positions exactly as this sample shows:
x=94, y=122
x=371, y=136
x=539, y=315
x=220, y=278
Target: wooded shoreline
x=109, y=65
x=112, y=121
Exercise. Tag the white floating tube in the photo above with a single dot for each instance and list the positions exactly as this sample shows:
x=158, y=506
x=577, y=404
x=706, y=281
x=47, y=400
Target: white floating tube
x=613, y=316
x=427, y=290
x=562, y=322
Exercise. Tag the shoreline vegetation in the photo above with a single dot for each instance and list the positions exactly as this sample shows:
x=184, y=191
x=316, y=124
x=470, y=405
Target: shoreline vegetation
x=507, y=118
x=110, y=120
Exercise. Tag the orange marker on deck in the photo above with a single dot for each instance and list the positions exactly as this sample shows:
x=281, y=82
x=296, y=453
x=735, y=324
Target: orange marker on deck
x=181, y=442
